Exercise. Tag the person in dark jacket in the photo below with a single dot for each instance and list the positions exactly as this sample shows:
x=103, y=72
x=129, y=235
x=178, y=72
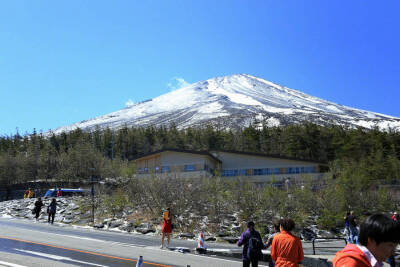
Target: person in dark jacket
x=51, y=210
x=38, y=207
x=277, y=229
x=244, y=240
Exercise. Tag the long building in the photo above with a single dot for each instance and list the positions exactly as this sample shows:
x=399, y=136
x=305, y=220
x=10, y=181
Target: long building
x=255, y=166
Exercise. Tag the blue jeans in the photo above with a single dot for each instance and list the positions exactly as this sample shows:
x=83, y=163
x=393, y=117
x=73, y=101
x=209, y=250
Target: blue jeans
x=353, y=235
x=391, y=261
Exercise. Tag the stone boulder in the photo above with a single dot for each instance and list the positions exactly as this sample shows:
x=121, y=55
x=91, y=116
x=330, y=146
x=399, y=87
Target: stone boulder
x=115, y=224
x=98, y=225
x=222, y=234
x=230, y=239
x=186, y=235
x=210, y=238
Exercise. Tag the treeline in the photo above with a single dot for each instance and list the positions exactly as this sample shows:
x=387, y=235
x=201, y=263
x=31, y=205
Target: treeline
x=365, y=164
x=75, y=156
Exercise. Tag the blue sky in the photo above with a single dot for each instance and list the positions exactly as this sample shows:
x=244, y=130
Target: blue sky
x=66, y=61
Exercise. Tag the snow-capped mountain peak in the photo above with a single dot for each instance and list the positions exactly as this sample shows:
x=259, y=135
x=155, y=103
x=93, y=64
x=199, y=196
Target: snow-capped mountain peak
x=234, y=101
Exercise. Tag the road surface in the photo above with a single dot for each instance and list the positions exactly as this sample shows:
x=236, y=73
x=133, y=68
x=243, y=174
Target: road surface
x=29, y=243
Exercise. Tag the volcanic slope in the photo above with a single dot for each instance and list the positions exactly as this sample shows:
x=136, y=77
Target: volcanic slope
x=235, y=101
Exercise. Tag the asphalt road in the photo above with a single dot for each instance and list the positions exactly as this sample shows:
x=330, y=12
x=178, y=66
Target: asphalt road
x=30, y=243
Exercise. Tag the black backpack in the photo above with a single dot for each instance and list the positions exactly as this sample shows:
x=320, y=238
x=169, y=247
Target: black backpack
x=254, y=249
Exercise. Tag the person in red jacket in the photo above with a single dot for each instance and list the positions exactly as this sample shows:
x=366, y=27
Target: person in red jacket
x=378, y=238
x=166, y=228
x=59, y=194
x=286, y=249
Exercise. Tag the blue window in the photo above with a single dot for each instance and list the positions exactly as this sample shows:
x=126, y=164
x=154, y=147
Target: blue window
x=189, y=168
x=297, y=170
x=242, y=172
x=228, y=173
x=165, y=169
x=309, y=169
x=257, y=171
x=276, y=170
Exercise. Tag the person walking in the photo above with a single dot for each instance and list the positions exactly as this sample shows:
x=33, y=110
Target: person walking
x=59, y=194
x=353, y=231
x=270, y=239
x=166, y=228
x=252, y=246
x=286, y=249
x=396, y=217
x=379, y=236
x=26, y=194
x=346, y=227
x=51, y=210
x=38, y=207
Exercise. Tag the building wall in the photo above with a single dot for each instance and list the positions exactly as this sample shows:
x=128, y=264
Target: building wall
x=238, y=161
x=149, y=161
x=253, y=167
x=170, y=158
x=175, y=162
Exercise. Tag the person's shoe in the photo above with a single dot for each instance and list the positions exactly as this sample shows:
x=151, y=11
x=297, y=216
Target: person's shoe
x=161, y=246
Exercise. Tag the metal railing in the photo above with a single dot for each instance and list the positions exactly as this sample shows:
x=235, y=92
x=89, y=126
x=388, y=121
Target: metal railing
x=327, y=239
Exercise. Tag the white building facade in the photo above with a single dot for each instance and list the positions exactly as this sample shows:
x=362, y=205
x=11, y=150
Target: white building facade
x=253, y=166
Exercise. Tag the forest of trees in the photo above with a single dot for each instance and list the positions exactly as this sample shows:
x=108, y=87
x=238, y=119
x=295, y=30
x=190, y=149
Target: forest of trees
x=359, y=159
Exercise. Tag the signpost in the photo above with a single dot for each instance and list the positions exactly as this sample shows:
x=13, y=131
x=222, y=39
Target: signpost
x=92, y=192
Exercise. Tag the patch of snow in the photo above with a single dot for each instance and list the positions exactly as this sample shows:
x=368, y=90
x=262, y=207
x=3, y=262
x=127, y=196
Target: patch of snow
x=273, y=122
x=230, y=95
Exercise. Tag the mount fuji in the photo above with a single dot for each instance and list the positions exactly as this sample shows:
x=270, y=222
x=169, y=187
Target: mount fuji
x=235, y=101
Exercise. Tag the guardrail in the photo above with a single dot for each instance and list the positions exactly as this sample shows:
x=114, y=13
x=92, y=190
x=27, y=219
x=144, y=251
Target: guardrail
x=327, y=239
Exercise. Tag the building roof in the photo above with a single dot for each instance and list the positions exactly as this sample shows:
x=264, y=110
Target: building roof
x=205, y=153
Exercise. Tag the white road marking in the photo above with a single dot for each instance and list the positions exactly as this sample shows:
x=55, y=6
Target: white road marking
x=55, y=257
x=142, y=246
x=79, y=237
x=11, y=264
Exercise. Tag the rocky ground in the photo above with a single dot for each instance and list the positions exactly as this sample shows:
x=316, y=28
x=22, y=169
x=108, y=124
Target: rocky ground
x=69, y=211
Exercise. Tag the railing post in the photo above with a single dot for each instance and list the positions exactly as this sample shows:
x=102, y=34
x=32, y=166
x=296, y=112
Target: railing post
x=313, y=246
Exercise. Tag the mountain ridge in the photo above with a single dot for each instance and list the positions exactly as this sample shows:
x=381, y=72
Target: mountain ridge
x=234, y=101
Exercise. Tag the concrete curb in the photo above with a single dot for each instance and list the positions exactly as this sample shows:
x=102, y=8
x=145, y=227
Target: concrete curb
x=309, y=260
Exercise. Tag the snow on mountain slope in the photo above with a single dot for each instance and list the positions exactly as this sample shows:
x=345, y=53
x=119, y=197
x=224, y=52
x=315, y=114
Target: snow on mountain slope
x=234, y=101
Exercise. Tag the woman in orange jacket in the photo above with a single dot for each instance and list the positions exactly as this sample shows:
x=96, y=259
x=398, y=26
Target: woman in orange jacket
x=286, y=249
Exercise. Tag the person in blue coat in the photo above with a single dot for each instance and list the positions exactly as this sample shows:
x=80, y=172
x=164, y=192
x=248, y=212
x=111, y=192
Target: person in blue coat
x=51, y=210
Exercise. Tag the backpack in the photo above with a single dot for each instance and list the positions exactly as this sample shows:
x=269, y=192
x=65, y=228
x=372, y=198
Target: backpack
x=254, y=249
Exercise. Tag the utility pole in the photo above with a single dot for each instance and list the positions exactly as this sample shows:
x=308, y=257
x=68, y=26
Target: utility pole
x=92, y=192
x=112, y=146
